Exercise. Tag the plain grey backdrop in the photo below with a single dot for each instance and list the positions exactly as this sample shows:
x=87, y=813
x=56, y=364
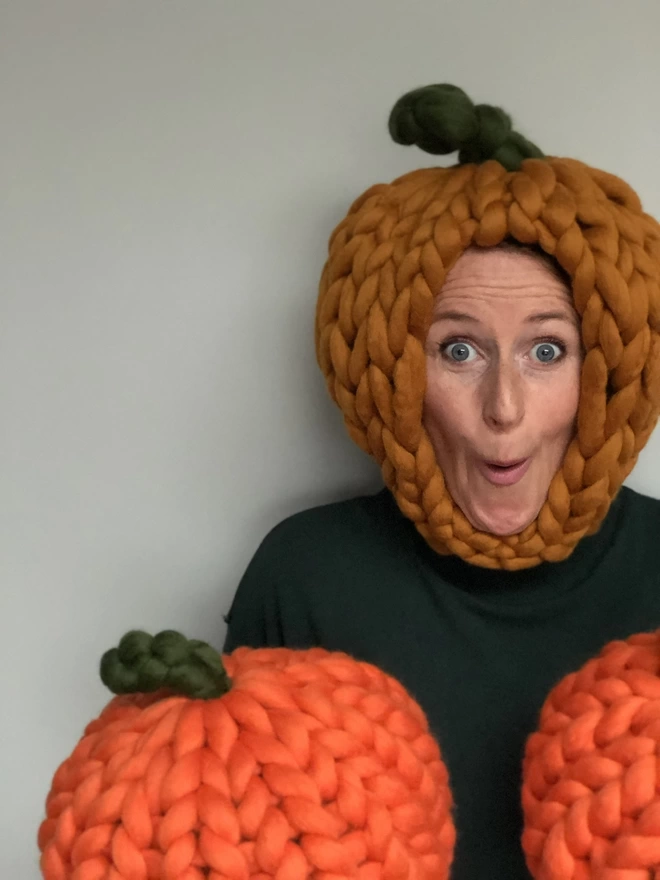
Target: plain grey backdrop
x=171, y=172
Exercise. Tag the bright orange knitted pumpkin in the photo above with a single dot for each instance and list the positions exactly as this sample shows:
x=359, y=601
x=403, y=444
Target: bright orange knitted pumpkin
x=303, y=764
x=591, y=790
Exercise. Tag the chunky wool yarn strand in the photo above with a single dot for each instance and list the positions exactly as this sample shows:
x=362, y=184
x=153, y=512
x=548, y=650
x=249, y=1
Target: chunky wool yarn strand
x=388, y=260
x=591, y=777
x=312, y=766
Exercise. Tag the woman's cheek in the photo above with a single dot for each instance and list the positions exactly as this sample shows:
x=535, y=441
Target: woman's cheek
x=557, y=407
x=446, y=406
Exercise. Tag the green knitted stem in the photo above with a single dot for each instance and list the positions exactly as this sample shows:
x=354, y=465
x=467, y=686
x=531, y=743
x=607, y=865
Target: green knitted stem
x=442, y=119
x=142, y=664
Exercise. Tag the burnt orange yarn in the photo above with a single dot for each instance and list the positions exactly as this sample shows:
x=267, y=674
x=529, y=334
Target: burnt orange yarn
x=591, y=779
x=313, y=767
x=388, y=260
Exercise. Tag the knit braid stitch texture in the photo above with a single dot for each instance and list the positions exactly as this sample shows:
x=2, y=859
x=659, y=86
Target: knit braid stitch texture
x=312, y=767
x=388, y=260
x=591, y=773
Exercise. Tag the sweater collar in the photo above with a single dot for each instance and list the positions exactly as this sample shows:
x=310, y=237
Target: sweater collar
x=548, y=580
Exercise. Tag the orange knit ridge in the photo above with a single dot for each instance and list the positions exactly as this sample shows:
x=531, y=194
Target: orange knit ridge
x=388, y=260
x=591, y=778
x=314, y=766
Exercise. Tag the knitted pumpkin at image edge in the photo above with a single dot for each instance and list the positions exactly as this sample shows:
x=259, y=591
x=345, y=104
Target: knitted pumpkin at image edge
x=591, y=773
x=267, y=763
x=388, y=260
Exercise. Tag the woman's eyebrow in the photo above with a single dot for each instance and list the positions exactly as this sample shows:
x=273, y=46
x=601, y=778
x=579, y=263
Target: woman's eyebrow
x=551, y=316
x=455, y=316
x=536, y=318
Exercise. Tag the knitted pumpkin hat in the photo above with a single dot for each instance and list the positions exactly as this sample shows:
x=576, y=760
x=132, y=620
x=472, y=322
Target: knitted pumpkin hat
x=387, y=261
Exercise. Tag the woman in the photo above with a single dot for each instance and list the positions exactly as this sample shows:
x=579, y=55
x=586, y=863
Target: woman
x=491, y=334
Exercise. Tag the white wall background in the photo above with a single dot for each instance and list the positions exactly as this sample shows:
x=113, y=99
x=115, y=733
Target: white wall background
x=171, y=172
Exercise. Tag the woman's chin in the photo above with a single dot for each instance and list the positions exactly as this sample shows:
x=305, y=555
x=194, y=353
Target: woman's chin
x=500, y=521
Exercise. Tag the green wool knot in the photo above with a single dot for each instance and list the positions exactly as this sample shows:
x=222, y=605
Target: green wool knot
x=442, y=119
x=142, y=663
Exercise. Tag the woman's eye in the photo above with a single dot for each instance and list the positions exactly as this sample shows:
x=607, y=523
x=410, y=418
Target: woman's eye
x=548, y=352
x=459, y=352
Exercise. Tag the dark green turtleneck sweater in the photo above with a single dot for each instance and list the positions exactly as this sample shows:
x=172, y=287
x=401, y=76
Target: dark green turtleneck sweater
x=478, y=649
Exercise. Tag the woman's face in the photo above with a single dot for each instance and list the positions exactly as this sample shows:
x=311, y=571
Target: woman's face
x=503, y=358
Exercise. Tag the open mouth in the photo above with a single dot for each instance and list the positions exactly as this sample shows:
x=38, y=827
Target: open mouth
x=505, y=473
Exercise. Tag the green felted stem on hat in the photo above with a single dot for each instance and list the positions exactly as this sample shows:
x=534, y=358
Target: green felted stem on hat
x=441, y=119
x=142, y=663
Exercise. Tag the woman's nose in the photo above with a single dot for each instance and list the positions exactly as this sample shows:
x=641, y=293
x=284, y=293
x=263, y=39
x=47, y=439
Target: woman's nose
x=503, y=397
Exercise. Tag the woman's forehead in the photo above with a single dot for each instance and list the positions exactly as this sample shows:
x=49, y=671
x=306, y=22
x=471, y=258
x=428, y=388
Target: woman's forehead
x=503, y=271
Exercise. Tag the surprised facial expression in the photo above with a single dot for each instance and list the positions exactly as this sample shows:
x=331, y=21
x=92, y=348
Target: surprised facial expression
x=503, y=360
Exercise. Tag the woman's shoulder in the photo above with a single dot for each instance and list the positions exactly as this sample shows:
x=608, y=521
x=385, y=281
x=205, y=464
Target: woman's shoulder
x=360, y=520
x=637, y=526
x=313, y=563
x=640, y=505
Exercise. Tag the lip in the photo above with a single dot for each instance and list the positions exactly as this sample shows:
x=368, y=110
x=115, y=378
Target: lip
x=498, y=476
